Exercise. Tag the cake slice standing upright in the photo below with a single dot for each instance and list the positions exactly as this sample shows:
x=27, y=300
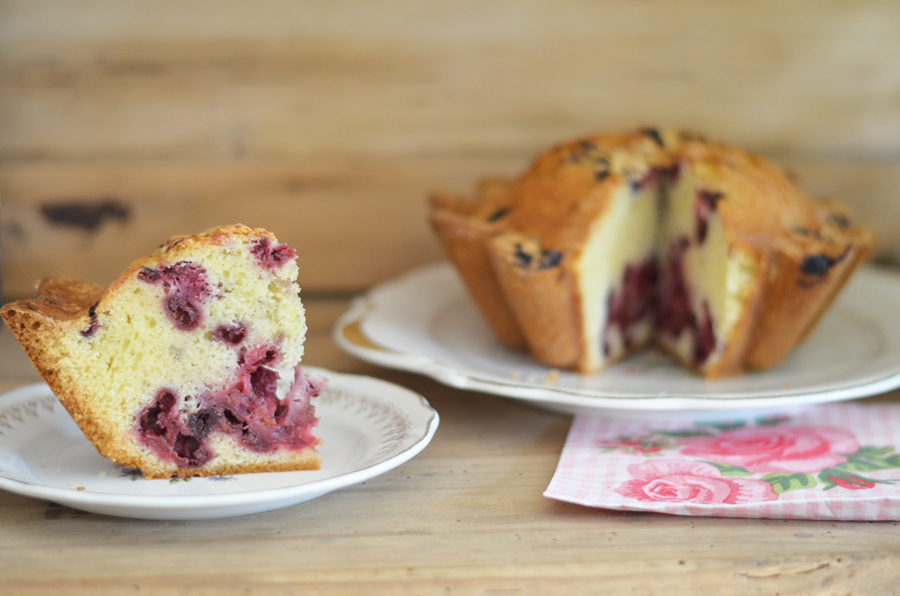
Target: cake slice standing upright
x=188, y=364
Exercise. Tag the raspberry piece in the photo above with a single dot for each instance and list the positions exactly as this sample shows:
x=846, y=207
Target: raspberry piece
x=272, y=257
x=231, y=334
x=704, y=207
x=185, y=286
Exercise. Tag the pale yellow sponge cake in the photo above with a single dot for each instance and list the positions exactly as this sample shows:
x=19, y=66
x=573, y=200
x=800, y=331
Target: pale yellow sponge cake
x=188, y=364
x=615, y=241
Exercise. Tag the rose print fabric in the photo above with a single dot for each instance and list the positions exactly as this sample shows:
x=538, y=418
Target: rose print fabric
x=830, y=462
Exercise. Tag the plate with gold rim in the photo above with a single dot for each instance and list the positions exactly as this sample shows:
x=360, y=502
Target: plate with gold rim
x=424, y=322
x=367, y=427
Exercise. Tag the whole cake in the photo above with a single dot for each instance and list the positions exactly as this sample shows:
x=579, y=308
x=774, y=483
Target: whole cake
x=188, y=364
x=614, y=241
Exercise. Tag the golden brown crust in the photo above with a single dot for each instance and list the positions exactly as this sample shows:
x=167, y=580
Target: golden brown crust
x=764, y=210
x=37, y=326
x=463, y=227
x=570, y=187
x=544, y=298
x=152, y=468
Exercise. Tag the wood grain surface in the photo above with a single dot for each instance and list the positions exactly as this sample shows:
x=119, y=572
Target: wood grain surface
x=466, y=516
x=124, y=123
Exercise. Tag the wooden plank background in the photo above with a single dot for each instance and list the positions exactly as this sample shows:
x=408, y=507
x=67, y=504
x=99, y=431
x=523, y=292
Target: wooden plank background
x=330, y=122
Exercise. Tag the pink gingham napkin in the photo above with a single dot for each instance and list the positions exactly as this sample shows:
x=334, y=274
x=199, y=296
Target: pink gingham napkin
x=830, y=462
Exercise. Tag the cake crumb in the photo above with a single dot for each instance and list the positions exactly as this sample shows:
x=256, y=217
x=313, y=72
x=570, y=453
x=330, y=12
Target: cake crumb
x=79, y=488
x=103, y=472
x=552, y=377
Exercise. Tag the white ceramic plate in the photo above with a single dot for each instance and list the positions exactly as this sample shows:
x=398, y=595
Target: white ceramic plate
x=425, y=322
x=367, y=427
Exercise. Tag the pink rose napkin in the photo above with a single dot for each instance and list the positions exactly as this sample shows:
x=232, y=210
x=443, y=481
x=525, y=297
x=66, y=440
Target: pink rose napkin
x=830, y=462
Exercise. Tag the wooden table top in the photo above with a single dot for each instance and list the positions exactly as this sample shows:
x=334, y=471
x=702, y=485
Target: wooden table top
x=466, y=516
x=330, y=123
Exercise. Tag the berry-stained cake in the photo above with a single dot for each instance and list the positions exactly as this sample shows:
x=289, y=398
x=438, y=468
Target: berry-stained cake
x=188, y=364
x=611, y=242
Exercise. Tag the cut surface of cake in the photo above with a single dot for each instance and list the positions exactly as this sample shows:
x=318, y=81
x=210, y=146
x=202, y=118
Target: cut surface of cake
x=188, y=364
x=612, y=242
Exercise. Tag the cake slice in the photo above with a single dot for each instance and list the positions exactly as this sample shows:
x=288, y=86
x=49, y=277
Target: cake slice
x=188, y=364
x=611, y=242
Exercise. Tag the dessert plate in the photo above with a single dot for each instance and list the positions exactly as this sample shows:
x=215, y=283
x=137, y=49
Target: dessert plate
x=424, y=322
x=367, y=427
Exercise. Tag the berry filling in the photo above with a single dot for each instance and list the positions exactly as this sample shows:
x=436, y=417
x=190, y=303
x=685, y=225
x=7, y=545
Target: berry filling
x=654, y=177
x=183, y=312
x=231, y=334
x=165, y=433
x=95, y=324
x=663, y=297
x=631, y=303
x=655, y=295
x=185, y=286
x=704, y=207
x=272, y=257
x=248, y=409
x=675, y=314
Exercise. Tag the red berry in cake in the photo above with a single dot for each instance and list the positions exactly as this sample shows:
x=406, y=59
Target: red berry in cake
x=272, y=257
x=705, y=206
x=185, y=286
x=156, y=418
x=203, y=422
x=191, y=450
x=674, y=315
x=183, y=312
x=95, y=324
x=632, y=303
x=231, y=334
x=148, y=275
